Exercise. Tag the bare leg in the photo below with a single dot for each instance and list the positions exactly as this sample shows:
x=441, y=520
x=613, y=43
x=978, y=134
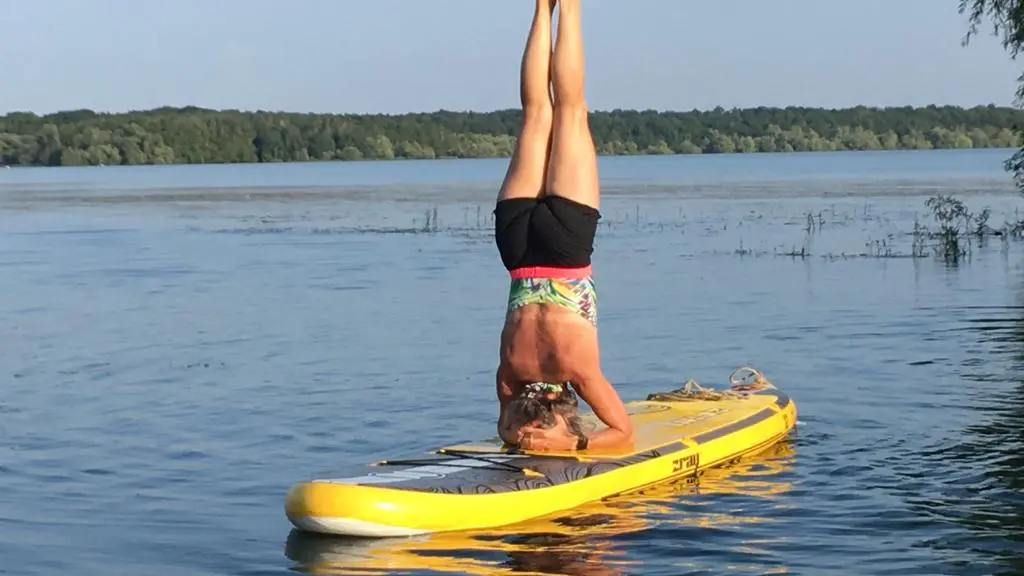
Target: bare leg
x=573, y=170
x=528, y=166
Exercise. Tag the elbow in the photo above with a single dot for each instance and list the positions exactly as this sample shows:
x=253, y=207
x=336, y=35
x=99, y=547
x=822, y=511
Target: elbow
x=626, y=436
x=629, y=434
x=630, y=437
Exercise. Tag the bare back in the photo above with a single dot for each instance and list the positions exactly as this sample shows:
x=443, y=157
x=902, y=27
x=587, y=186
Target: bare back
x=547, y=343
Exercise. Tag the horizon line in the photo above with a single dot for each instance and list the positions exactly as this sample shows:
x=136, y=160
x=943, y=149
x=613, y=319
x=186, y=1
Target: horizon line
x=197, y=108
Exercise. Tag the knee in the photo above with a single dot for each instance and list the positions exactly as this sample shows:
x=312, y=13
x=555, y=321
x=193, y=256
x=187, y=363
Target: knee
x=539, y=114
x=574, y=110
x=569, y=97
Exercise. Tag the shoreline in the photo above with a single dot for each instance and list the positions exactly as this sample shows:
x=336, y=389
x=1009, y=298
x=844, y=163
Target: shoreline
x=405, y=160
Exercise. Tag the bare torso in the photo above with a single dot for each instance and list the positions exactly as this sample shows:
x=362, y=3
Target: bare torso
x=549, y=343
x=546, y=343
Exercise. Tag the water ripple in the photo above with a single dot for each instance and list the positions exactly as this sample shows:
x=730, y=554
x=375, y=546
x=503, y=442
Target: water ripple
x=170, y=369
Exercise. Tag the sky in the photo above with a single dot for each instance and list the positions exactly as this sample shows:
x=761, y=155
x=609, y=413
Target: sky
x=395, y=56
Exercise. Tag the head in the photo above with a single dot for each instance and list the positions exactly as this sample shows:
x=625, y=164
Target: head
x=542, y=405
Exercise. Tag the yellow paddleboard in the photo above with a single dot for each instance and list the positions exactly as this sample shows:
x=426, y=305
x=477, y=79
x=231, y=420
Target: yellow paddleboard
x=567, y=542
x=486, y=484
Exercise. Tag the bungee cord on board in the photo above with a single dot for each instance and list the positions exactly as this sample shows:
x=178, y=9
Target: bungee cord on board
x=741, y=387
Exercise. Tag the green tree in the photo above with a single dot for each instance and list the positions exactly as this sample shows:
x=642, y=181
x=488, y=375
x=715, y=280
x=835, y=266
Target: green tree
x=195, y=135
x=1007, y=18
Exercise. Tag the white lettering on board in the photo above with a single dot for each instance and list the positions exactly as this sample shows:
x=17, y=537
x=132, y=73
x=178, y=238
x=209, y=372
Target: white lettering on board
x=711, y=412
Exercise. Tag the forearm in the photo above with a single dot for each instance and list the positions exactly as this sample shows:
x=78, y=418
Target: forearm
x=504, y=393
x=608, y=407
x=503, y=387
x=609, y=438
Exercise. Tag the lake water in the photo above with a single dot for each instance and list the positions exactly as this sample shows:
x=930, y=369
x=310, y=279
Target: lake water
x=179, y=345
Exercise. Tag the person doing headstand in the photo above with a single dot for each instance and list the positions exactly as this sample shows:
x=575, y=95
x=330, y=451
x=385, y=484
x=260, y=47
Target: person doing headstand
x=546, y=218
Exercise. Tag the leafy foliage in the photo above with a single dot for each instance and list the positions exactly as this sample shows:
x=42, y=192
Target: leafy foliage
x=195, y=135
x=1008, y=24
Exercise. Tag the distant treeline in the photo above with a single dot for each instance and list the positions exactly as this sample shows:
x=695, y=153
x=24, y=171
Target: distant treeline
x=195, y=135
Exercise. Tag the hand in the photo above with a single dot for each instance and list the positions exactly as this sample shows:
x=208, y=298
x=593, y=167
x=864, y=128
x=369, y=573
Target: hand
x=540, y=439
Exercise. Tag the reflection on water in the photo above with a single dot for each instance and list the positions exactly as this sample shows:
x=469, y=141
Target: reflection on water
x=981, y=481
x=593, y=539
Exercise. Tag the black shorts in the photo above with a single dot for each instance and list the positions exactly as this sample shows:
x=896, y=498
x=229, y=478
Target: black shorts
x=547, y=231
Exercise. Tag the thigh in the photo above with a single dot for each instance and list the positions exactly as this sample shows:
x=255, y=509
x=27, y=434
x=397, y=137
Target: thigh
x=512, y=223
x=572, y=171
x=564, y=229
x=527, y=170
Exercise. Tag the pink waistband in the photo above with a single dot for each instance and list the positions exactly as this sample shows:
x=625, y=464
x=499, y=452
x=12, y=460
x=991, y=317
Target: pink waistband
x=550, y=272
